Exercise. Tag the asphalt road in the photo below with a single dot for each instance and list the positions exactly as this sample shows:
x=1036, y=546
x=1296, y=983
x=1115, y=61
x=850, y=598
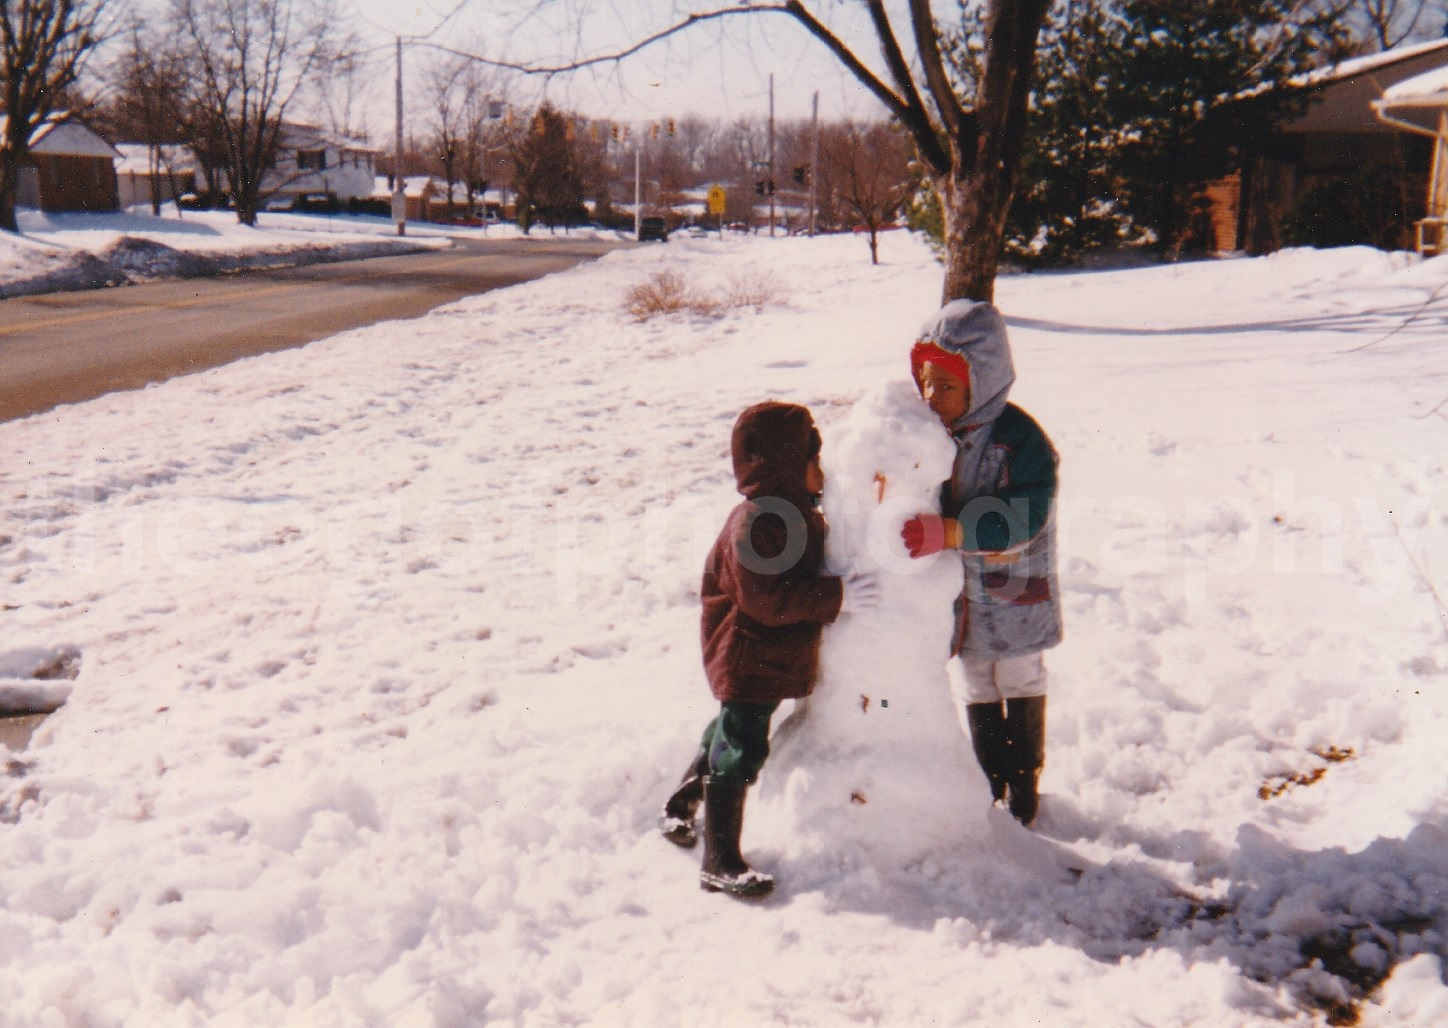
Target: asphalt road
x=60, y=348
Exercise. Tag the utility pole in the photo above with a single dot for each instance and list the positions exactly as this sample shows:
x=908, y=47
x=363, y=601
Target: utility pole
x=638, y=187
x=814, y=162
x=769, y=182
x=399, y=191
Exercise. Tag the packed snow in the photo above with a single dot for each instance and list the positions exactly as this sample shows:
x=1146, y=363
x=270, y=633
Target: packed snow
x=855, y=772
x=377, y=658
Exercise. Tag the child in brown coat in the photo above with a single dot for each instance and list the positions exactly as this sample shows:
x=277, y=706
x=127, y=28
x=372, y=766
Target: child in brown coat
x=766, y=600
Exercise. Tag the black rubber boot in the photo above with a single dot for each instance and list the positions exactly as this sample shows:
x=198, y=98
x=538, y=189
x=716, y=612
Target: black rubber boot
x=988, y=737
x=1026, y=728
x=677, y=821
x=724, y=868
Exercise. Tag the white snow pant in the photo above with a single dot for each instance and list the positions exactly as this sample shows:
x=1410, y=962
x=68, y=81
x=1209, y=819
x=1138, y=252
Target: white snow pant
x=973, y=680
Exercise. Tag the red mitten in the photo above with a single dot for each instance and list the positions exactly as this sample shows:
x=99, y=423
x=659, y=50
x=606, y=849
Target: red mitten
x=925, y=534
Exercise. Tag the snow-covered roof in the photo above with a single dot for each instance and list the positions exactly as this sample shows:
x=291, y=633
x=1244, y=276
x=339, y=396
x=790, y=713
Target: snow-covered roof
x=135, y=158
x=1355, y=66
x=1418, y=104
x=412, y=185
x=299, y=134
x=1427, y=89
x=59, y=137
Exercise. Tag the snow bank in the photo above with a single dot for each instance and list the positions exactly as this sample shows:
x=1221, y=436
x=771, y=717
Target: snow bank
x=93, y=251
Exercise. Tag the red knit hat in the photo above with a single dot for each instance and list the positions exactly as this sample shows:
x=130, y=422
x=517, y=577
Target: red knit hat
x=924, y=351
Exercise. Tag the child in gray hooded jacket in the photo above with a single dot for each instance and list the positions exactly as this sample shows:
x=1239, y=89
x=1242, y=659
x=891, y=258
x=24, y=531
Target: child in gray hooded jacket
x=999, y=509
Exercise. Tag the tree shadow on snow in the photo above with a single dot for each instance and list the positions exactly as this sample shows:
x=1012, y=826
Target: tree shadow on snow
x=1346, y=322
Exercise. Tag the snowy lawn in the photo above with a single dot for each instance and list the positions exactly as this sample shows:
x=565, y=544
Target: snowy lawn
x=380, y=655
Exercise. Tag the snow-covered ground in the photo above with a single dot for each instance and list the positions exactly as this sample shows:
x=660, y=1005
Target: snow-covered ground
x=381, y=655
x=90, y=251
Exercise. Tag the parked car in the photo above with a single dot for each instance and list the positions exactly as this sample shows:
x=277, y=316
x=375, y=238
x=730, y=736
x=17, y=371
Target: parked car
x=653, y=228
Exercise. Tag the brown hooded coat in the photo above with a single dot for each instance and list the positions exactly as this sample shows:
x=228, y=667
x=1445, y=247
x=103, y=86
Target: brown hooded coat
x=764, y=598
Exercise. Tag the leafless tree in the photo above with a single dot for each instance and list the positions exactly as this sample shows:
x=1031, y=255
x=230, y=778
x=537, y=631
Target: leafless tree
x=151, y=102
x=868, y=167
x=970, y=146
x=339, y=84
x=485, y=137
x=450, y=84
x=44, y=45
x=249, y=60
x=1390, y=22
x=968, y=135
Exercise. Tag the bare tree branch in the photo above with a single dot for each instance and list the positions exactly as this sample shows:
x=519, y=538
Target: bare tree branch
x=697, y=18
x=973, y=155
x=894, y=57
x=909, y=111
x=927, y=42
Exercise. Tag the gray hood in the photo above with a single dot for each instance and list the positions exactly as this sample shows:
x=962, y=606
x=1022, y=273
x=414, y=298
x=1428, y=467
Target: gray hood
x=976, y=332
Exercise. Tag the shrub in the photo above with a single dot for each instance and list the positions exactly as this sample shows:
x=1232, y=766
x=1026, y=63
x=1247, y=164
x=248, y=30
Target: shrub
x=665, y=293
x=756, y=289
x=668, y=292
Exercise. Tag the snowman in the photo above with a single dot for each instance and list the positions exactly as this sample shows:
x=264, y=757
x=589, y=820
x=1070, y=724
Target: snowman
x=874, y=772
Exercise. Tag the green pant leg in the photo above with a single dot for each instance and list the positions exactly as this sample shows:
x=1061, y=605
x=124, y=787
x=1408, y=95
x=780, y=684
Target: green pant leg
x=740, y=743
x=707, y=742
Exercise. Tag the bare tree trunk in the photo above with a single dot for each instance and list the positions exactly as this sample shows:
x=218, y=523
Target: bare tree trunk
x=43, y=46
x=971, y=153
x=975, y=170
x=972, y=238
x=976, y=195
x=9, y=184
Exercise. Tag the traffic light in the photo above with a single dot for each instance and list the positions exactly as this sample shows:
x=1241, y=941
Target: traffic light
x=801, y=175
x=759, y=187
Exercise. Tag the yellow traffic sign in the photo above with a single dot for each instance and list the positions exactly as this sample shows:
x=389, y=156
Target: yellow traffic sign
x=715, y=199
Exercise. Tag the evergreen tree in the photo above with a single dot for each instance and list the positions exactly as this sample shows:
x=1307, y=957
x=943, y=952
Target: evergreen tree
x=546, y=174
x=1139, y=105
x=1067, y=202
x=1194, y=87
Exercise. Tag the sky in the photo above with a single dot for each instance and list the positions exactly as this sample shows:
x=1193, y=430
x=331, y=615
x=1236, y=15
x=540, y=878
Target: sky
x=376, y=658
x=718, y=70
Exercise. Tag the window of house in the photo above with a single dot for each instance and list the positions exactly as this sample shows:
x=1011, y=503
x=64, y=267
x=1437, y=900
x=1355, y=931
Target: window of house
x=312, y=160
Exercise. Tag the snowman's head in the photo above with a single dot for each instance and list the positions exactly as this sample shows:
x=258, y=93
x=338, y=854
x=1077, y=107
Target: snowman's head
x=890, y=448
x=886, y=463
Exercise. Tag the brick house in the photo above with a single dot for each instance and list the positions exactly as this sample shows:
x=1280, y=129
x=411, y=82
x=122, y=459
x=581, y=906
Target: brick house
x=69, y=168
x=1309, y=159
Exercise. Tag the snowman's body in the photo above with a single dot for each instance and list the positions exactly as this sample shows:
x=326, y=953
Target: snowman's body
x=874, y=771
